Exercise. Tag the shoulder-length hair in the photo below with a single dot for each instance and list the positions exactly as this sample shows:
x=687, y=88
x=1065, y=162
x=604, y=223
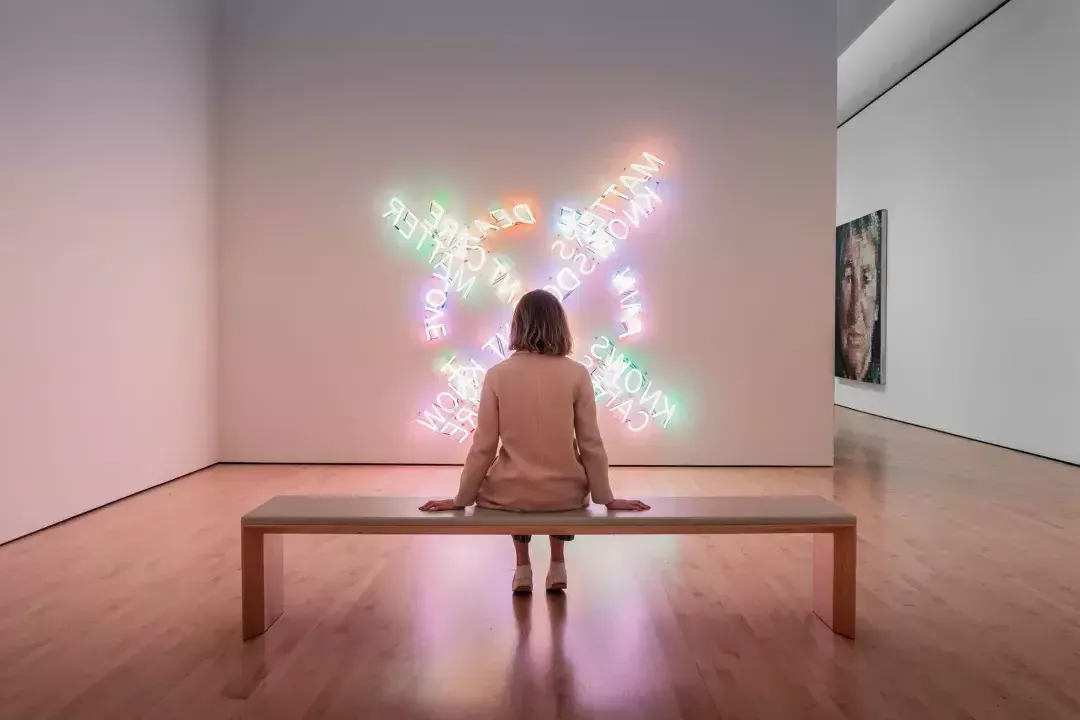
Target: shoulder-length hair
x=540, y=325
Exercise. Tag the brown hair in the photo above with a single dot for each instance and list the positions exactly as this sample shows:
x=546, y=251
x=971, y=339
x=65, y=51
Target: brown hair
x=540, y=325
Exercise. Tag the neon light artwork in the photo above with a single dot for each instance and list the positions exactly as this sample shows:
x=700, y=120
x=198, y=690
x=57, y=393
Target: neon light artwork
x=459, y=253
x=626, y=285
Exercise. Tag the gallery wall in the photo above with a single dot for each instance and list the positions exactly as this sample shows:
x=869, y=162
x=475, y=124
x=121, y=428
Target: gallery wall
x=976, y=158
x=106, y=262
x=330, y=109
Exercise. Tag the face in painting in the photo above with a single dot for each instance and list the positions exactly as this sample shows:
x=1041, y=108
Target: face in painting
x=858, y=303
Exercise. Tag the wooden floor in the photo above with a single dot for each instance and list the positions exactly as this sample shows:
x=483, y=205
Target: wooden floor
x=969, y=604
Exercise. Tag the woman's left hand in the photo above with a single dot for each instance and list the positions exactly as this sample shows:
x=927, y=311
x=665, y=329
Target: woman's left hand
x=439, y=506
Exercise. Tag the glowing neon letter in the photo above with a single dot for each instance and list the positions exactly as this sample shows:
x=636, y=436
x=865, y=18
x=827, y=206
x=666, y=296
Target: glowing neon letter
x=508, y=289
x=483, y=257
x=432, y=420
x=667, y=412
x=603, y=344
x=404, y=222
x=396, y=208
x=610, y=229
x=467, y=415
x=631, y=182
x=483, y=227
x=528, y=218
x=646, y=397
x=565, y=277
x=503, y=218
x=461, y=286
x=643, y=210
x=651, y=169
x=437, y=213
x=453, y=401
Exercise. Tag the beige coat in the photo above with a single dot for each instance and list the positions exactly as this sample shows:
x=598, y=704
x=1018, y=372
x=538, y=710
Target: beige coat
x=543, y=410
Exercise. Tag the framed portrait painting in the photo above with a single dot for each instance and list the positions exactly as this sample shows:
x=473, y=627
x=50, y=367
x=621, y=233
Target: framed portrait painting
x=860, y=299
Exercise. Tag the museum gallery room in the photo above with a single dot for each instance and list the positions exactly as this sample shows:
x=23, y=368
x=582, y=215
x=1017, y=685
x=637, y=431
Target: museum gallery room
x=610, y=359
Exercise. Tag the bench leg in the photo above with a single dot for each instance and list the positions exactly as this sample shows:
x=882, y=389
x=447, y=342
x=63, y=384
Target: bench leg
x=262, y=575
x=834, y=580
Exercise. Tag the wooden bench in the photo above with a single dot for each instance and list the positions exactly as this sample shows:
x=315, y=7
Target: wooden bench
x=832, y=526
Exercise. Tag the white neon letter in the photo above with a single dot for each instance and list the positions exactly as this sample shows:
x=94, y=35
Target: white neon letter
x=453, y=401
x=451, y=429
x=433, y=419
x=631, y=326
x=562, y=245
x=646, y=397
x=456, y=280
x=503, y=218
x=437, y=213
x=495, y=346
x=467, y=415
x=508, y=289
x=638, y=211
x=624, y=409
x=436, y=303
x=583, y=264
x=528, y=217
x=648, y=170
x=637, y=385
x=666, y=413
x=610, y=229
x=572, y=278
x=483, y=256
x=632, y=181
x=432, y=331
x=404, y=222
x=644, y=421
x=500, y=271
x=396, y=208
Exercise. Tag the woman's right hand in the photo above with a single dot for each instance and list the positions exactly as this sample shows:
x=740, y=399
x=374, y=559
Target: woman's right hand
x=620, y=504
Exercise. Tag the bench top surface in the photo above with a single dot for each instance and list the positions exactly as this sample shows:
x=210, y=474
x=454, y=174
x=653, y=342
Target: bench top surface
x=358, y=511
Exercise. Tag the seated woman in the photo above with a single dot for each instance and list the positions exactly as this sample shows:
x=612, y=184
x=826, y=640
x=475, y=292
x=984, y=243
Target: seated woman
x=541, y=405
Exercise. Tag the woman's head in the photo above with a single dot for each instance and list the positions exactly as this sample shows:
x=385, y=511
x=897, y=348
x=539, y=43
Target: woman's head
x=540, y=325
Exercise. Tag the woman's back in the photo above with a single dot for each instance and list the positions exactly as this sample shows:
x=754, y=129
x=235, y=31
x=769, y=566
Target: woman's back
x=543, y=410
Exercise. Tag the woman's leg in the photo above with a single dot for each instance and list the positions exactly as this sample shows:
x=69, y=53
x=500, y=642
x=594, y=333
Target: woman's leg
x=556, y=579
x=523, y=572
x=558, y=545
x=521, y=549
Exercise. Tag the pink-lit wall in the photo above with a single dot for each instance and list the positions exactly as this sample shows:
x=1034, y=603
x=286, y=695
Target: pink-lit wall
x=331, y=107
x=107, y=284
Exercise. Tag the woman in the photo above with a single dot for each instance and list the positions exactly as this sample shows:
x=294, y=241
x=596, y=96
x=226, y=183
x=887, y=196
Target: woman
x=540, y=404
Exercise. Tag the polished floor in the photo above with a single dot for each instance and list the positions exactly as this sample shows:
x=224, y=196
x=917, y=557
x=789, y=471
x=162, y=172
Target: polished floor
x=969, y=604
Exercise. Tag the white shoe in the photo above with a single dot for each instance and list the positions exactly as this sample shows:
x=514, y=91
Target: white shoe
x=523, y=579
x=556, y=578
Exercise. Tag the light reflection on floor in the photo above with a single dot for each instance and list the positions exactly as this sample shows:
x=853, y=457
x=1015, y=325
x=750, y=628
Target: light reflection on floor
x=526, y=641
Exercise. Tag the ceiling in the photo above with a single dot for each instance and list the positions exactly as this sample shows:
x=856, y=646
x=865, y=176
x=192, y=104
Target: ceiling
x=853, y=17
x=881, y=41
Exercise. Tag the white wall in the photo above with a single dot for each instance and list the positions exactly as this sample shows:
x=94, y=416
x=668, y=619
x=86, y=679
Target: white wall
x=977, y=159
x=107, y=284
x=330, y=107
